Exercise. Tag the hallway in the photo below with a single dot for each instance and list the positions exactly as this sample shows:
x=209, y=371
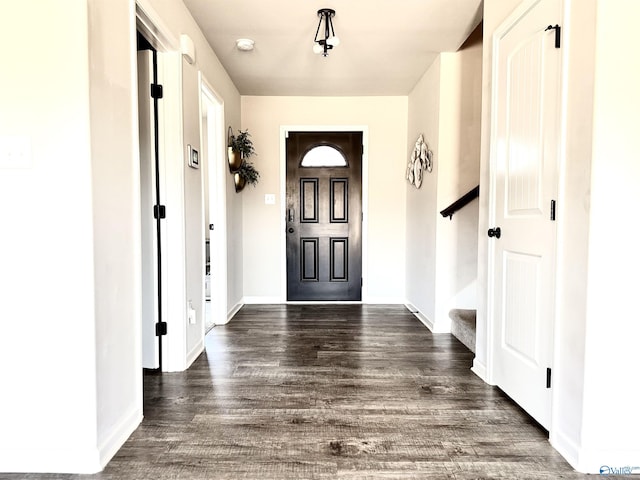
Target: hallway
x=340, y=391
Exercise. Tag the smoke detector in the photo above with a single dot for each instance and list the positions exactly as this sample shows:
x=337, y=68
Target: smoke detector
x=244, y=44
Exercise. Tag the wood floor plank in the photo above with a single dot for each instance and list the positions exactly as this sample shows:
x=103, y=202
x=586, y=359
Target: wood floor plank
x=329, y=392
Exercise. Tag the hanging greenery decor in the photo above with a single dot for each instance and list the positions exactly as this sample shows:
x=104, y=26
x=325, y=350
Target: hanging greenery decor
x=240, y=149
x=247, y=173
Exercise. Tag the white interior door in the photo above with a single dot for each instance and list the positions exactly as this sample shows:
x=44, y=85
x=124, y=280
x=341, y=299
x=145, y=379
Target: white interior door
x=524, y=158
x=150, y=354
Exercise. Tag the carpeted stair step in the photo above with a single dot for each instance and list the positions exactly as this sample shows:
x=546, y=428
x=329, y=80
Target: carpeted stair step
x=463, y=327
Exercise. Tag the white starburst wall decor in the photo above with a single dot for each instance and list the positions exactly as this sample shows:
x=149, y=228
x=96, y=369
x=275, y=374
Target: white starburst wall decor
x=421, y=159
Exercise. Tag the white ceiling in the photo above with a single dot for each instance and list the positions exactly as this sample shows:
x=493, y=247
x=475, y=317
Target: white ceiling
x=386, y=46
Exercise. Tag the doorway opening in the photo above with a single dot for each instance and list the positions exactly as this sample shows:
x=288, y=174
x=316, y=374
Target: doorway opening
x=215, y=201
x=150, y=204
x=523, y=188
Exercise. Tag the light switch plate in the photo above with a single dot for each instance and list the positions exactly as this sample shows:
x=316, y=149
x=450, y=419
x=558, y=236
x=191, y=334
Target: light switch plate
x=15, y=151
x=269, y=199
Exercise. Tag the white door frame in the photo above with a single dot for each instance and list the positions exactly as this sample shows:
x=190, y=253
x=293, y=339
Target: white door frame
x=216, y=168
x=172, y=185
x=284, y=129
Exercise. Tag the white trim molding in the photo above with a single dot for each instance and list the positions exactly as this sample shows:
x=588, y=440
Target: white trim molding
x=420, y=316
x=65, y=460
x=595, y=461
x=172, y=184
x=232, y=312
x=153, y=28
x=262, y=300
x=118, y=436
x=480, y=370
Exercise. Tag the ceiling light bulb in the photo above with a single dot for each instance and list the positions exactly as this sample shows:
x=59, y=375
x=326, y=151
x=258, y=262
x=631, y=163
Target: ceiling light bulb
x=317, y=48
x=244, y=44
x=334, y=41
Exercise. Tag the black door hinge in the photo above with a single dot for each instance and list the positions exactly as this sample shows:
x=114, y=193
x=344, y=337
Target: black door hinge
x=553, y=210
x=161, y=329
x=548, y=378
x=159, y=211
x=558, y=30
x=156, y=90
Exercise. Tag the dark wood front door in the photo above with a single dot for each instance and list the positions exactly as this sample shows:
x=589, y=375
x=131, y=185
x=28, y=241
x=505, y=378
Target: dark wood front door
x=324, y=216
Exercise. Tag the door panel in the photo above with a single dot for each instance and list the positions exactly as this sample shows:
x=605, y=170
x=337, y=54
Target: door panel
x=309, y=200
x=521, y=273
x=324, y=217
x=525, y=161
x=339, y=201
x=339, y=261
x=309, y=258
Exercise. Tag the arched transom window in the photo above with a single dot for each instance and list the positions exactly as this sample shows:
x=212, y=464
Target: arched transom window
x=324, y=156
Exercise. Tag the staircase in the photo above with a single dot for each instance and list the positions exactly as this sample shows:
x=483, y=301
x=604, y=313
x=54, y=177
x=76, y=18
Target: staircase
x=463, y=327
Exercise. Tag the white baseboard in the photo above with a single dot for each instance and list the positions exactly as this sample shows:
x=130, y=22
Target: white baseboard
x=73, y=459
x=383, y=301
x=263, y=300
x=443, y=326
x=280, y=301
x=565, y=446
x=194, y=353
x=322, y=302
x=50, y=460
x=119, y=434
x=596, y=461
x=609, y=462
x=480, y=369
x=420, y=316
x=231, y=313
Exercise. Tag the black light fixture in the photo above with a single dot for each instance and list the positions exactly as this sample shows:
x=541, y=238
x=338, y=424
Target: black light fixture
x=329, y=39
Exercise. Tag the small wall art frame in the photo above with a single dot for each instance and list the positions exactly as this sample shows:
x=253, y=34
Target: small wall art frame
x=192, y=157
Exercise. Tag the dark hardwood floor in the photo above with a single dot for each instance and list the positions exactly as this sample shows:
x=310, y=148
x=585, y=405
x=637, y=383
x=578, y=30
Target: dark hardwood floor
x=326, y=392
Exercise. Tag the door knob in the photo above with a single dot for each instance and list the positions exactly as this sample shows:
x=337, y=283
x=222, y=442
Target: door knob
x=291, y=230
x=494, y=232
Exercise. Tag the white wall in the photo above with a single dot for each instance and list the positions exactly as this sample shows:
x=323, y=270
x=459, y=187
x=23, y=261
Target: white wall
x=422, y=204
x=70, y=278
x=442, y=254
x=459, y=172
x=386, y=119
x=116, y=223
x=607, y=333
x=573, y=227
x=194, y=212
x=611, y=422
x=183, y=267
